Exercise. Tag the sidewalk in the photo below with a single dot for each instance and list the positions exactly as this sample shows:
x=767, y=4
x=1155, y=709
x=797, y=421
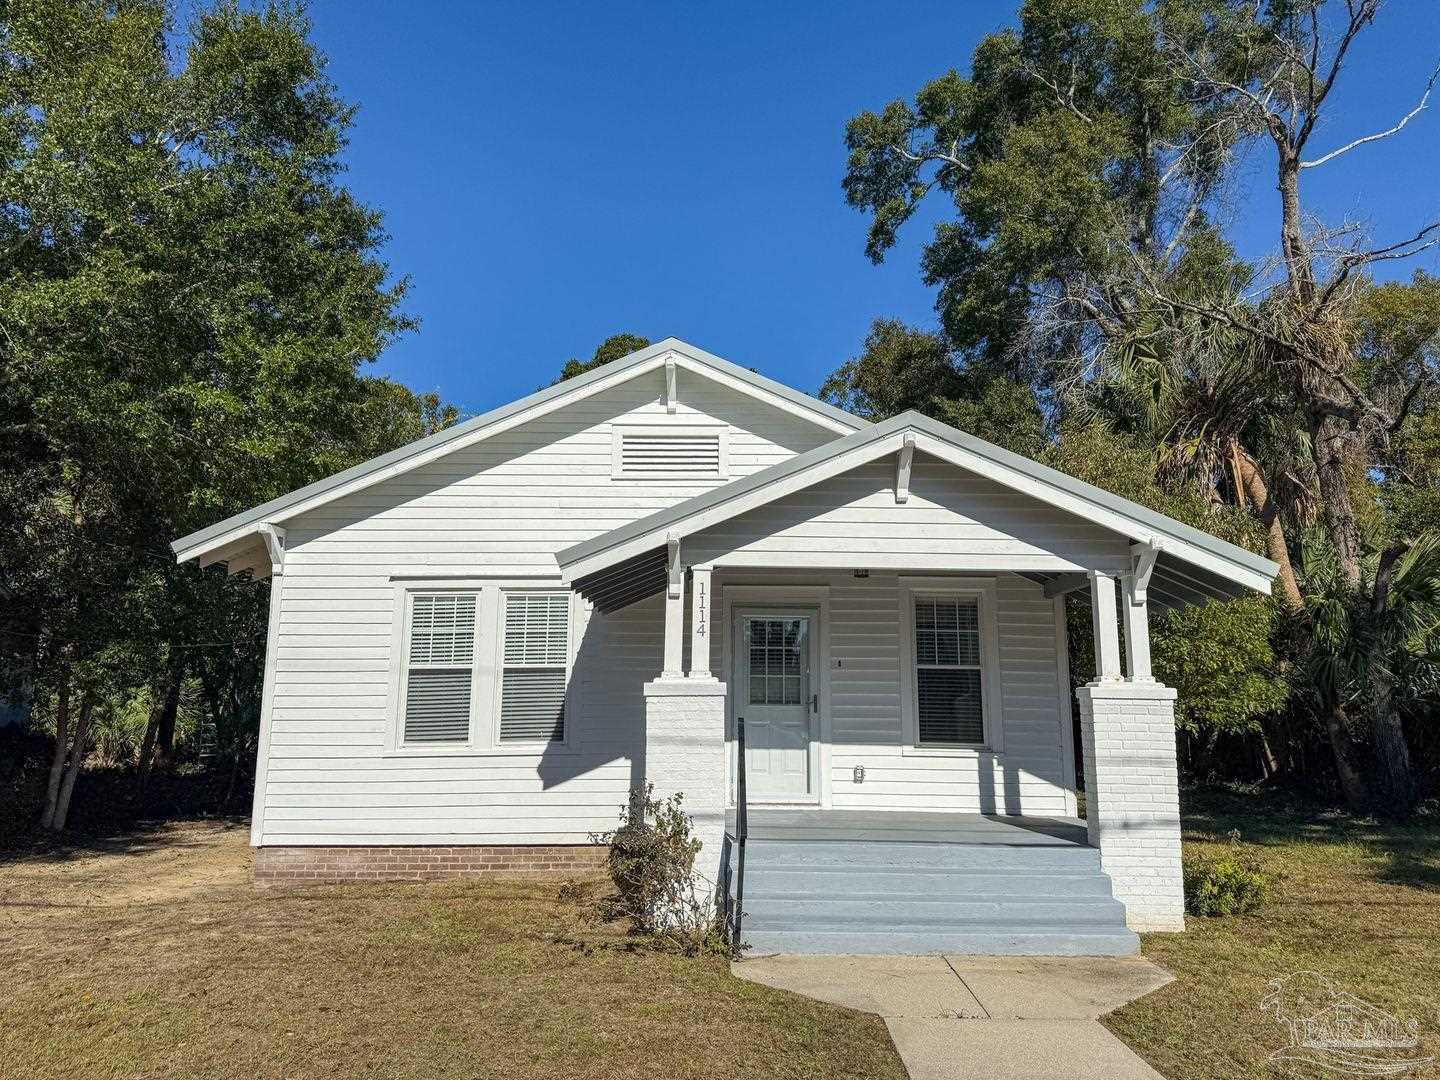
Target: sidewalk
x=991, y=1017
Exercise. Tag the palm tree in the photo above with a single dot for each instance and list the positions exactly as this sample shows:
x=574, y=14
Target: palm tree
x=1374, y=652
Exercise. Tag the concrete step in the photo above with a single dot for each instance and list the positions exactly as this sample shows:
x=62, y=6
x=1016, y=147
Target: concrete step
x=769, y=912
x=974, y=940
x=911, y=881
x=844, y=854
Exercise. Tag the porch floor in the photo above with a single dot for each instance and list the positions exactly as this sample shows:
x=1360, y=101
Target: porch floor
x=813, y=823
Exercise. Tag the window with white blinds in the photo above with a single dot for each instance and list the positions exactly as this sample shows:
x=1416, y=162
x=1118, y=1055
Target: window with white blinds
x=949, y=683
x=440, y=668
x=535, y=672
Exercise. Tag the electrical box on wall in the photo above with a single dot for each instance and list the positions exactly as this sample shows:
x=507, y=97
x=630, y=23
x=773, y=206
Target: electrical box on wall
x=859, y=774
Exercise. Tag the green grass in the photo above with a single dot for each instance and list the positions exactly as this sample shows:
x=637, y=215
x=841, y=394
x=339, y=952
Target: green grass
x=156, y=957
x=1356, y=900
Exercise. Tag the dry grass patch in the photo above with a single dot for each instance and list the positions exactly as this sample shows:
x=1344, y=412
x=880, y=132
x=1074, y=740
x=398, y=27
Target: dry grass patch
x=158, y=958
x=1354, y=900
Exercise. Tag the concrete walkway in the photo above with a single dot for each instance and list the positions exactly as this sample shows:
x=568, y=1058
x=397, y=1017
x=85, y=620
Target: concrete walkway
x=991, y=1017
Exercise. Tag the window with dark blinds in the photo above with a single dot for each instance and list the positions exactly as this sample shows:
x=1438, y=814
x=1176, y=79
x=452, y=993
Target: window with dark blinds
x=536, y=666
x=440, y=668
x=948, y=685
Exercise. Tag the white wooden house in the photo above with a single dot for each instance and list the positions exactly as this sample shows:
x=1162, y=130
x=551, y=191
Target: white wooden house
x=480, y=642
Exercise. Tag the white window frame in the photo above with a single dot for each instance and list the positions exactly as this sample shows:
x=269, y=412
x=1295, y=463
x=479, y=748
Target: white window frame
x=498, y=688
x=485, y=687
x=617, y=455
x=983, y=592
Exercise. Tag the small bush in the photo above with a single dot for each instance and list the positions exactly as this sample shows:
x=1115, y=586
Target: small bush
x=652, y=863
x=1225, y=885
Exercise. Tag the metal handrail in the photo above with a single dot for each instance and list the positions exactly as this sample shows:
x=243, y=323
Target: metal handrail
x=742, y=830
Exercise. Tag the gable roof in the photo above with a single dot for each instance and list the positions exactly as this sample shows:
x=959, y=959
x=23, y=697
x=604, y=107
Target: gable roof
x=227, y=533
x=1218, y=566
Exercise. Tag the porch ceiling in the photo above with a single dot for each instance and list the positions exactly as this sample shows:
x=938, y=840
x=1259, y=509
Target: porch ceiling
x=1173, y=584
x=626, y=583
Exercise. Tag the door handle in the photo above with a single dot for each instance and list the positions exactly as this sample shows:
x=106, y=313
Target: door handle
x=815, y=703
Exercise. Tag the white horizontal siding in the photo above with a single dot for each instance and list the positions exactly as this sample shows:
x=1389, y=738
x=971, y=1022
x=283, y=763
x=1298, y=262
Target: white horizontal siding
x=502, y=506
x=865, y=715
x=853, y=519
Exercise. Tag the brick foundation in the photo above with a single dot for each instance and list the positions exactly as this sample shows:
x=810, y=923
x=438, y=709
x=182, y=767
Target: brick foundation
x=282, y=865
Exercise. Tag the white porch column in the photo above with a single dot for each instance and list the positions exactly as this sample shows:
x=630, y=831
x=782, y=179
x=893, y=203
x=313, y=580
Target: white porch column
x=685, y=752
x=685, y=720
x=673, y=667
x=700, y=623
x=1132, y=792
x=1136, y=615
x=1105, y=627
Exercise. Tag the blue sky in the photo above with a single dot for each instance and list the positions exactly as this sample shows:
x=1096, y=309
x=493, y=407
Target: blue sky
x=554, y=173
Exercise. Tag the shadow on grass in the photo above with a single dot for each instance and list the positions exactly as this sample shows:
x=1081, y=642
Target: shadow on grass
x=126, y=838
x=1409, y=850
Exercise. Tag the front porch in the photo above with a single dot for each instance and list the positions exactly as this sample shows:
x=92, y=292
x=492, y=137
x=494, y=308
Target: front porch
x=900, y=826
x=885, y=617
x=854, y=882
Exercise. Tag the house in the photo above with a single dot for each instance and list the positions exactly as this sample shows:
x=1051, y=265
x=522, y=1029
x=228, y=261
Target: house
x=479, y=643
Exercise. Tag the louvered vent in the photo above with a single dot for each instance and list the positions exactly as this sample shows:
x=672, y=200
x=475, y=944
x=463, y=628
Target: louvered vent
x=442, y=658
x=665, y=453
x=537, y=655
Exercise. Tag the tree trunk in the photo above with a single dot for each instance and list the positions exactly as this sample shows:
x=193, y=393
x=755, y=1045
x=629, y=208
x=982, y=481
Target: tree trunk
x=162, y=716
x=77, y=758
x=1392, y=759
x=166, y=735
x=57, y=760
x=1249, y=484
x=1333, y=443
x=1351, y=785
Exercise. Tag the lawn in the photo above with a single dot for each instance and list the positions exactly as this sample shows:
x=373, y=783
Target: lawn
x=152, y=955
x=1354, y=900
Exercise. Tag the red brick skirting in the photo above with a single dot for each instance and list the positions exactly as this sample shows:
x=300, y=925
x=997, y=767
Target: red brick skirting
x=280, y=865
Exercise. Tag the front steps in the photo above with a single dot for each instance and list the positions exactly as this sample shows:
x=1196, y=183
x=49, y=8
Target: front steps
x=853, y=896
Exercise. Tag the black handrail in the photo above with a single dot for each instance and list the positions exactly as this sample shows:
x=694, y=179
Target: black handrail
x=742, y=830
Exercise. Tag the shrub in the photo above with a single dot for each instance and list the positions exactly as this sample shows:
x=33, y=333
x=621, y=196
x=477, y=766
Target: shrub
x=652, y=863
x=1225, y=885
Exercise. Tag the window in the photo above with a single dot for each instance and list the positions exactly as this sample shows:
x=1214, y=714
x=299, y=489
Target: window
x=536, y=669
x=669, y=451
x=440, y=668
x=949, y=671
x=482, y=670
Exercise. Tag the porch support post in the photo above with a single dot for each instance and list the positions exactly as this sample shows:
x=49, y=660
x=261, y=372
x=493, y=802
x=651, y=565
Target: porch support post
x=1132, y=790
x=685, y=753
x=1137, y=631
x=700, y=623
x=1105, y=627
x=674, y=667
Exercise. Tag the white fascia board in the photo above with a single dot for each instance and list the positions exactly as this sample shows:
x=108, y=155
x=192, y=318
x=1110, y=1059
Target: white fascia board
x=1039, y=488
x=548, y=400
x=740, y=504
x=827, y=420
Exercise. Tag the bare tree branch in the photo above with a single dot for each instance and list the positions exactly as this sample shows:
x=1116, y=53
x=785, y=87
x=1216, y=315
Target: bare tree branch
x=1429, y=86
x=950, y=157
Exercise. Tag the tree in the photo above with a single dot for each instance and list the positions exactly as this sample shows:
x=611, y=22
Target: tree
x=905, y=368
x=1087, y=157
x=612, y=348
x=187, y=297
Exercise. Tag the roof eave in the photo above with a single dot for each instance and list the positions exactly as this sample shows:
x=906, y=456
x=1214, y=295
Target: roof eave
x=966, y=451
x=413, y=455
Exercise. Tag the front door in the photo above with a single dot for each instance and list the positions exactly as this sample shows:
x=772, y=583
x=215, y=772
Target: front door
x=777, y=695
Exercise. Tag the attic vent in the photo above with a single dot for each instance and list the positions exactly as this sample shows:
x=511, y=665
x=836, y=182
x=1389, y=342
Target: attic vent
x=670, y=452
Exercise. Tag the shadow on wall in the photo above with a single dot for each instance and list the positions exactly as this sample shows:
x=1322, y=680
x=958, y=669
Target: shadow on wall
x=617, y=655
